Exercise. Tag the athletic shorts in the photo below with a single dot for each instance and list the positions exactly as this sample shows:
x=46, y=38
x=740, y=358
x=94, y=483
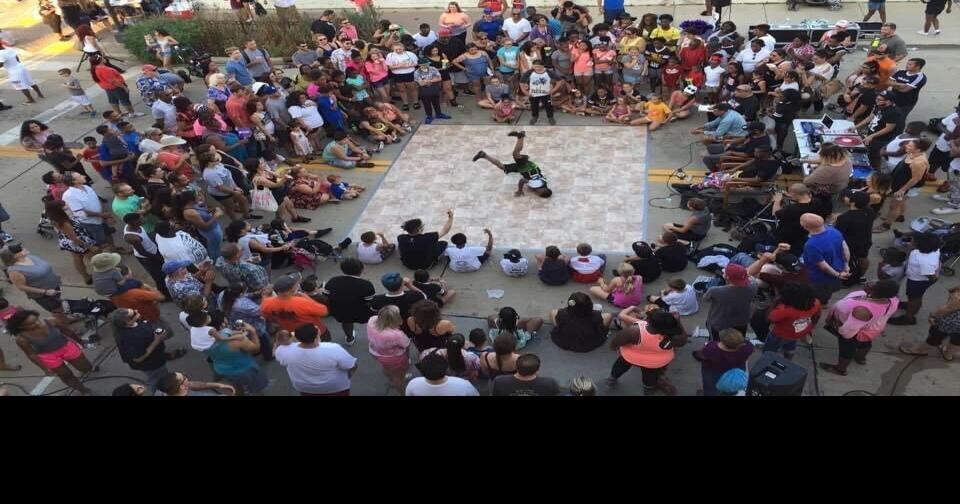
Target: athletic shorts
x=52, y=304
x=935, y=7
x=56, y=358
x=118, y=96
x=400, y=78
x=380, y=83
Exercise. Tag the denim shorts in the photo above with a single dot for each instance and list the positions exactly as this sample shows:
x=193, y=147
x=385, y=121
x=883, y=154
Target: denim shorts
x=875, y=5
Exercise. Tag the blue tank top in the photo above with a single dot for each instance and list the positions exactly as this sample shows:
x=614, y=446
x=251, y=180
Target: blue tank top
x=227, y=362
x=212, y=231
x=476, y=66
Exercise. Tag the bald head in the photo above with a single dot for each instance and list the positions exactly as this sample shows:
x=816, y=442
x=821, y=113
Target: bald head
x=811, y=222
x=798, y=189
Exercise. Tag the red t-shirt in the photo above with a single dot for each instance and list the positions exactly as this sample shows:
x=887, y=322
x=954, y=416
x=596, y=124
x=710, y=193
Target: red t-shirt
x=108, y=78
x=170, y=160
x=790, y=323
x=697, y=78
x=671, y=76
x=690, y=57
x=237, y=111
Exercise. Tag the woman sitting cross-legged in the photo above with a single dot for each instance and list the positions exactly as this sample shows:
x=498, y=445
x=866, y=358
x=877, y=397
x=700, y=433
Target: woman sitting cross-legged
x=626, y=289
x=578, y=327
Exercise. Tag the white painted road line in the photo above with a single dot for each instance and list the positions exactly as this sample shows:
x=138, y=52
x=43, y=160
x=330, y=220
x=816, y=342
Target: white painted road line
x=42, y=386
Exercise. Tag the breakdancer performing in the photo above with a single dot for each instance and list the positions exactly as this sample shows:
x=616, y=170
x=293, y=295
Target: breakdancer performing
x=531, y=175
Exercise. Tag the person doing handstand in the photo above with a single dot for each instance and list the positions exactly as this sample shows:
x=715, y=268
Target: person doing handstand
x=529, y=171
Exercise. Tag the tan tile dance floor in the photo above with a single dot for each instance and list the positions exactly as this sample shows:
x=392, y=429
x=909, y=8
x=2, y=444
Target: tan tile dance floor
x=597, y=173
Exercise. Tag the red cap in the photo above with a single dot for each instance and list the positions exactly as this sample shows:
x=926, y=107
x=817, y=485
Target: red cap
x=736, y=274
x=148, y=68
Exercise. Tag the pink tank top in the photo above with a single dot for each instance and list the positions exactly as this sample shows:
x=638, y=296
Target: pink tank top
x=635, y=297
x=863, y=330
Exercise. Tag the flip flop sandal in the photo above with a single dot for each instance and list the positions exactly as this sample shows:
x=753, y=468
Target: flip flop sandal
x=919, y=354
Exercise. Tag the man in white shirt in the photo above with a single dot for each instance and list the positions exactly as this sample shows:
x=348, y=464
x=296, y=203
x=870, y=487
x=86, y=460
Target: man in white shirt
x=760, y=32
x=85, y=205
x=464, y=259
x=516, y=27
x=343, y=54
x=20, y=77
x=164, y=112
x=752, y=55
x=435, y=381
x=424, y=37
x=316, y=366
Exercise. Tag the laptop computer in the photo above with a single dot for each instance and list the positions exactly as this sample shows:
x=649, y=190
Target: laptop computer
x=827, y=122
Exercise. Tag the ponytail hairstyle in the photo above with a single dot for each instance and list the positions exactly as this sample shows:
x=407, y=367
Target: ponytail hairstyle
x=628, y=274
x=507, y=320
x=665, y=324
x=454, y=346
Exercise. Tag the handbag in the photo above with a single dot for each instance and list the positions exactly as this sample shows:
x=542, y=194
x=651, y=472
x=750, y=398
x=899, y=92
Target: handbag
x=258, y=9
x=263, y=199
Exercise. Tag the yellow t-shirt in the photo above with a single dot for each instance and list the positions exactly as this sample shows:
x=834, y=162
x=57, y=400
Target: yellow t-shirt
x=657, y=111
x=671, y=35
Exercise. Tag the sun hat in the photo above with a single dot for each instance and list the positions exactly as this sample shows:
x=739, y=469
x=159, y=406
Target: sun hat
x=104, y=261
x=169, y=140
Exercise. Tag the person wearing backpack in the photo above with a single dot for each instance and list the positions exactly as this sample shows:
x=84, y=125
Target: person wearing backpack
x=257, y=61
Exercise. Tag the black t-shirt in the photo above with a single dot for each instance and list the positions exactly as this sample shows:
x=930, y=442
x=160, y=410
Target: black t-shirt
x=324, y=27
x=883, y=117
x=508, y=385
x=785, y=111
x=432, y=290
x=64, y=161
x=856, y=226
x=554, y=272
x=789, y=229
x=403, y=301
x=747, y=107
x=908, y=98
x=648, y=268
x=578, y=334
x=132, y=342
x=673, y=258
x=452, y=50
x=417, y=251
x=751, y=144
x=349, y=297
x=764, y=169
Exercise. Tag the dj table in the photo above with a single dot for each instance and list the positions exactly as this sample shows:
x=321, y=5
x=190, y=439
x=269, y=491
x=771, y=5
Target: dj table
x=810, y=133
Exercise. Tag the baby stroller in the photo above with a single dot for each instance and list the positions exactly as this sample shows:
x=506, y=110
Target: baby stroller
x=195, y=62
x=45, y=228
x=93, y=313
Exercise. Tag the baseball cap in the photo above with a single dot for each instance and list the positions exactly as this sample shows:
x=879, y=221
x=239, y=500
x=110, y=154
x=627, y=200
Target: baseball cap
x=286, y=283
x=488, y=10
x=736, y=274
x=843, y=24
x=391, y=281
x=732, y=381
x=393, y=27
x=789, y=262
x=172, y=266
x=513, y=255
x=148, y=68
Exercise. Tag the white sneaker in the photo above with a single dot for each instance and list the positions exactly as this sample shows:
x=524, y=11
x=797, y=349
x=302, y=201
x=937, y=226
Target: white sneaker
x=946, y=210
x=936, y=32
x=353, y=338
x=913, y=193
x=921, y=32
x=941, y=197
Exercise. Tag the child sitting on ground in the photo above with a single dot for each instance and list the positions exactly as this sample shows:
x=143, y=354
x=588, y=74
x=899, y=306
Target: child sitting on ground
x=514, y=264
x=600, y=103
x=620, y=113
x=341, y=190
x=203, y=334
x=434, y=288
x=633, y=97
x=552, y=266
x=586, y=267
x=478, y=342
x=505, y=110
x=680, y=298
x=369, y=252
x=577, y=104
